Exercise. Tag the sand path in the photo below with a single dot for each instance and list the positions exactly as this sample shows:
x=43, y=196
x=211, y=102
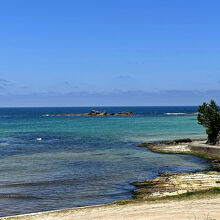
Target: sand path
x=178, y=210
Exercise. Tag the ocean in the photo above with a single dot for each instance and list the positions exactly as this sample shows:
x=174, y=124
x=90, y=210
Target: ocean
x=49, y=163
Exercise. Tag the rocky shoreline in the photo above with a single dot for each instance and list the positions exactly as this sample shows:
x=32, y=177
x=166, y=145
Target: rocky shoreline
x=173, y=184
x=93, y=113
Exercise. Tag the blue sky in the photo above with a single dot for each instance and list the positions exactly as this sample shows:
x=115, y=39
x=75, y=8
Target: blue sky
x=118, y=52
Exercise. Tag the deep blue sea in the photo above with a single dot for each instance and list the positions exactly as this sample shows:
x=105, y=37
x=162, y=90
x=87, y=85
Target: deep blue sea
x=49, y=163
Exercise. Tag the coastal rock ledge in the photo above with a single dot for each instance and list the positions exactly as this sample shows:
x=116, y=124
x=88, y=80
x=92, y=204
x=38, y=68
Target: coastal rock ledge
x=197, y=147
x=173, y=184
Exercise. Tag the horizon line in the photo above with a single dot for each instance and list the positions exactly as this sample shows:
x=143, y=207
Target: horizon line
x=101, y=106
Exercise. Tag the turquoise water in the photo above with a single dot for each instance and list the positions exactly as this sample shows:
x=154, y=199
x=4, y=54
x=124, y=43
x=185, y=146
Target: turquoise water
x=85, y=160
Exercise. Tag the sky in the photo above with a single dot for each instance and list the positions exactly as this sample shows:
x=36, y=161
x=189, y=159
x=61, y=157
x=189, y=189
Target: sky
x=109, y=53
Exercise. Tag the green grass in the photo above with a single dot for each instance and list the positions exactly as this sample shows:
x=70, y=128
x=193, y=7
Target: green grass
x=123, y=202
x=198, y=195
x=204, y=194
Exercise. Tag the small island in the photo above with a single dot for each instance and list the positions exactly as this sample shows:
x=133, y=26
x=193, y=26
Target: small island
x=93, y=113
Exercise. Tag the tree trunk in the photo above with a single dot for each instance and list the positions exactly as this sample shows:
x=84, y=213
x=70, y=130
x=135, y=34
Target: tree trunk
x=218, y=139
x=214, y=139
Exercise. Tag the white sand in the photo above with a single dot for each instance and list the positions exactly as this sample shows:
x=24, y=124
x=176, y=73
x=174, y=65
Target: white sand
x=178, y=210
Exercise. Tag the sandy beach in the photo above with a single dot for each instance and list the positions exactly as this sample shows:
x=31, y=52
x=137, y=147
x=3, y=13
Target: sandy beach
x=181, y=210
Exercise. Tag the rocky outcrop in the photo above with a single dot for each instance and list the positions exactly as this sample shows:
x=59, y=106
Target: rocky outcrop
x=172, y=184
x=175, y=146
x=125, y=114
x=94, y=113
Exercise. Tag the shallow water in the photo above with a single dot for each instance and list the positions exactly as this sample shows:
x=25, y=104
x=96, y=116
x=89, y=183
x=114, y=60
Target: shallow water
x=85, y=160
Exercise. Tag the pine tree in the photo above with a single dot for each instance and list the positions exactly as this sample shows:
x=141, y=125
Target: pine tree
x=209, y=117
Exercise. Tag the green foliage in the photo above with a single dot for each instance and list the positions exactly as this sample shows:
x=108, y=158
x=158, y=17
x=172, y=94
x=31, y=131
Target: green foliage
x=209, y=117
x=123, y=202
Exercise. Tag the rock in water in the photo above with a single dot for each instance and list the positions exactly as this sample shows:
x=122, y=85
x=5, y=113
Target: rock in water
x=94, y=113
